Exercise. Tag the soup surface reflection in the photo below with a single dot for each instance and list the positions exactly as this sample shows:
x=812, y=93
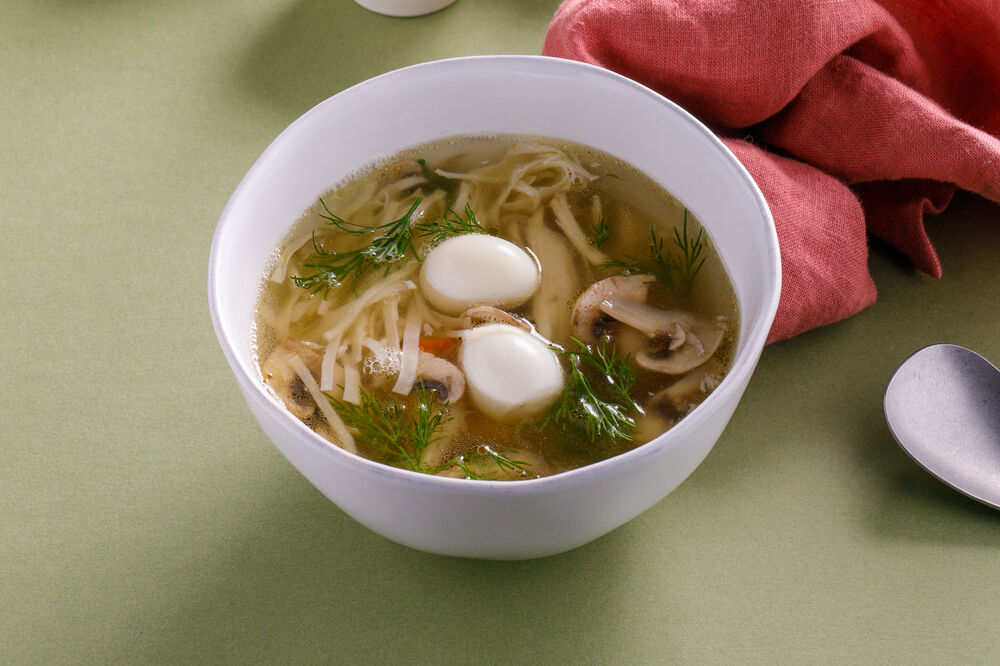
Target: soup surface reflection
x=494, y=308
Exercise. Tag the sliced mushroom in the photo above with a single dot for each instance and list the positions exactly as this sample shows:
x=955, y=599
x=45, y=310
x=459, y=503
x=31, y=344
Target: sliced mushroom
x=698, y=348
x=285, y=382
x=481, y=314
x=671, y=404
x=590, y=323
x=679, y=341
x=635, y=313
x=440, y=376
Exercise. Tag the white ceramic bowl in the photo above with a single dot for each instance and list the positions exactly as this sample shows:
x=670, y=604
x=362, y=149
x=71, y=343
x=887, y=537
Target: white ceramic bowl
x=529, y=95
x=404, y=7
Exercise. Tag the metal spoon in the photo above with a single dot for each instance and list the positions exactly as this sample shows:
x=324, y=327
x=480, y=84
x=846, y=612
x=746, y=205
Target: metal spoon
x=943, y=407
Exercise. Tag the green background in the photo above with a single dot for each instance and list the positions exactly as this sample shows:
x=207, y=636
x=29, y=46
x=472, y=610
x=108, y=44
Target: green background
x=145, y=518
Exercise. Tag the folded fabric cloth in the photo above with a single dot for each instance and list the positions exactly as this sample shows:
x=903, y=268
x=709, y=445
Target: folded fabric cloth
x=851, y=115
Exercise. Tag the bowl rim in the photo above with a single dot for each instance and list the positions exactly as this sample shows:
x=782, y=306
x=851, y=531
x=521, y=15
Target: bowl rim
x=743, y=364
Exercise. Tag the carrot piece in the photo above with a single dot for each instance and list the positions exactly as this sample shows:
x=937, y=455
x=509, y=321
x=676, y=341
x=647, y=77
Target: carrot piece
x=438, y=346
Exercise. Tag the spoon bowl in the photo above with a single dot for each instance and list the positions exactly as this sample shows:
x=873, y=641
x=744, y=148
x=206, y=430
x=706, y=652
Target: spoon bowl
x=943, y=407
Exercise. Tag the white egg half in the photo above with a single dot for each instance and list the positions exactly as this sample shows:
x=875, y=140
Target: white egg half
x=476, y=269
x=509, y=373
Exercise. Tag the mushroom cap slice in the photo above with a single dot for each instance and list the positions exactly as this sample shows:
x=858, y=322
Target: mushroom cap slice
x=285, y=382
x=669, y=405
x=698, y=347
x=480, y=314
x=441, y=376
x=589, y=321
x=685, y=340
x=654, y=322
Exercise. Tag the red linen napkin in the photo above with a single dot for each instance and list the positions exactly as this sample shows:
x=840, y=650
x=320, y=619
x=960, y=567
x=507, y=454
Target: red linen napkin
x=851, y=115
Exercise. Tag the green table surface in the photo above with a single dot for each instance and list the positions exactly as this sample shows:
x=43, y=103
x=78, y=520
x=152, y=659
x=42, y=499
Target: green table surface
x=145, y=518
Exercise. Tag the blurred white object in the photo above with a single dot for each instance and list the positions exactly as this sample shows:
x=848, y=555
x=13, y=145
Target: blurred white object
x=404, y=7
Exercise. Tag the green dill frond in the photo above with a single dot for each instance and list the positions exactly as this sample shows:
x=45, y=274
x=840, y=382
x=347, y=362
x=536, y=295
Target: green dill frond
x=471, y=462
x=599, y=234
x=382, y=427
x=331, y=269
x=692, y=254
x=448, y=225
x=391, y=431
x=675, y=268
x=436, y=181
x=596, y=402
x=342, y=224
x=428, y=417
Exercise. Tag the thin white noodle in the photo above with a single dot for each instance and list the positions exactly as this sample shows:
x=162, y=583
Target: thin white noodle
x=282, y=321
x=427, y=203
x=462, y=197
x=411, y=351
x=352, y=363
x=306, y=307
x=352, y=381
x=343, y=317
x=346, y=315
x=281, y=268
x=513, y=231
x=339, y=429
x=390, y=316
x=438, y=319
x=596, y=211
x=472, y=176
x=403, y=184
x=373, y=345
x=363, y=196
x=393, y=209
x=527, y=190
x=338, y=382
x=565, y=221
x=515, y=176
x=327, y=366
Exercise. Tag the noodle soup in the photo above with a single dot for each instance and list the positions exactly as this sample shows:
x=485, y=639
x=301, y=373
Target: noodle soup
x=494, y=308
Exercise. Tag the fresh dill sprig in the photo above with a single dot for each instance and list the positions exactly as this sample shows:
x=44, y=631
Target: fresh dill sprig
x=331, y=269
x=399, y=435
x=448, y=225
x=612, y=366
x=391, y=430
x=397, y=239
x=692, y=253
x=675, y=268
x=381, y=425
x=598, y=401
x=343, y=224
x=436, y=181
x=599, y=233
x=427, y=418
x=469, y=461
